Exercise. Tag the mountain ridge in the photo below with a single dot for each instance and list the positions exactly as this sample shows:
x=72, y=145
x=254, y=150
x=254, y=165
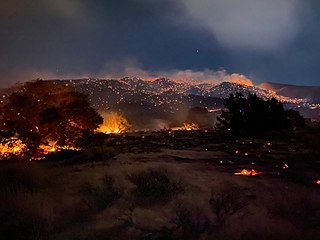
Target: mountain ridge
x=289, y=90
x=165, y=98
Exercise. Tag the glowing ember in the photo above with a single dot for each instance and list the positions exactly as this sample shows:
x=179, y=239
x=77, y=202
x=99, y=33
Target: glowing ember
x=114, y=123
x=246, y=172
x=285, y=166
x=269, y=143
x=50, y=147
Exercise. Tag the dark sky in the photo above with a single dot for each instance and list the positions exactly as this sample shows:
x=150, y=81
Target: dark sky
x=265, y=40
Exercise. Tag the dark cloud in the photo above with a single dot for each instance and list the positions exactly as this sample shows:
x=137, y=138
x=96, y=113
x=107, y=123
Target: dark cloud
x=260, y=25
x=268, y=40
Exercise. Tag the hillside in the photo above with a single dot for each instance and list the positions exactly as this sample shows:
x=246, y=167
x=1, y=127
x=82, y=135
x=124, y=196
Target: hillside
x=168, y=101
x=294, y=91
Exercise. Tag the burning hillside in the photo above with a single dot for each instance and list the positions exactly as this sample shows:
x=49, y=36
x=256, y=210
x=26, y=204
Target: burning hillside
x=162, y=97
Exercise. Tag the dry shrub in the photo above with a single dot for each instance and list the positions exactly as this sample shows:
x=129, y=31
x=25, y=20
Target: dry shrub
x=226, y=203
x=102, y=195
x=24, y=212
x=99, y=153
x=155, y=185
x=25, y=215
x=191, y=223
x=260, y=226
x=63, y=155
x=15, y=175
x=301, y=211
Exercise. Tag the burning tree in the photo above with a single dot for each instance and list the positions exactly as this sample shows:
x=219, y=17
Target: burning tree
x=41, y=113
x=114, y=123
x=253, y=116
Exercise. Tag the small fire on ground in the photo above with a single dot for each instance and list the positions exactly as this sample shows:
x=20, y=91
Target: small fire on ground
x=247, y=172
x=187, y=127
x=18, y=148
x=53, y=147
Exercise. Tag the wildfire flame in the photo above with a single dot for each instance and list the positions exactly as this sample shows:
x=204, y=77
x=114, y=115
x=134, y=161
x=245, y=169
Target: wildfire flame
x=247, y=172
x=18, y=148
x=15, y=146
x=187, y=127
x=114, y=123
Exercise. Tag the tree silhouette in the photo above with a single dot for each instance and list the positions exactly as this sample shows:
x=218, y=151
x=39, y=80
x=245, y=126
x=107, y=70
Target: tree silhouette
x=39, y=112
x=297, y=121
x=253, y=116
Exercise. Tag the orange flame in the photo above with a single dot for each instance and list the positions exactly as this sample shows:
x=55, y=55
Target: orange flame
x=18, y=148
x=246, y=172
x=187, y=127
x=114, y=123
x=15, y=147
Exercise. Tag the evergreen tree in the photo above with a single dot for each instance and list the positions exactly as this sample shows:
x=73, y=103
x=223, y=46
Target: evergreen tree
x=253, y=116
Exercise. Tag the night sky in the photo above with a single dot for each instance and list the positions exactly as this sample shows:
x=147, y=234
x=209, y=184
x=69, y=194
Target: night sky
x=266, y=40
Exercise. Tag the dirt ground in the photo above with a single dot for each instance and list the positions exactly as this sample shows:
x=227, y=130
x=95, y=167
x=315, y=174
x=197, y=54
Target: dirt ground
x=65, y=199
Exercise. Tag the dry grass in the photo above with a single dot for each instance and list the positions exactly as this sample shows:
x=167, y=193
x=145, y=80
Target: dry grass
x=155, y=185
x=226, y=203
x=80, y=201
x=101, y=195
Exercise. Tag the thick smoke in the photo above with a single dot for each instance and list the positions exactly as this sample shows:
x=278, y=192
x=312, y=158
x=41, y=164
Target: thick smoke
x=23, y=75
x=131, y=67
x=260, y=25
x=194, y=77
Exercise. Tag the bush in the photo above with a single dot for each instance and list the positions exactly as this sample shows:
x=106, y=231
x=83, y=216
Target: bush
x=226, y=203
x=155, y=185
x=101, y=153
x=303, y=212
x=92, y=154
x=100, y=196
x=15, y=175
x=192, y=224
x=25, y=216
